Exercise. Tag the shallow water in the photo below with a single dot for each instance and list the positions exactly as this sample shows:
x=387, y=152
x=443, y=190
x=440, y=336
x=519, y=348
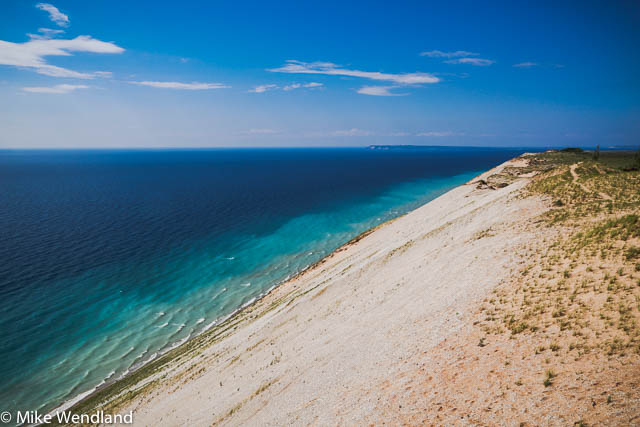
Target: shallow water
x=111, y=257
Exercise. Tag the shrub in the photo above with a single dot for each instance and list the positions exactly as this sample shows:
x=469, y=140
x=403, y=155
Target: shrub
x=632, y=253
x=548, y=381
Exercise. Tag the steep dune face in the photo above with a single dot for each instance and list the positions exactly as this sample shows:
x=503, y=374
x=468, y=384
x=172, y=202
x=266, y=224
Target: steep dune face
x=512, y=299
x=317, y=348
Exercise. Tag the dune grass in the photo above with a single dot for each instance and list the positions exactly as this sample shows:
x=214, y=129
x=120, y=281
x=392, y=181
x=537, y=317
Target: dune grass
x=582, y=291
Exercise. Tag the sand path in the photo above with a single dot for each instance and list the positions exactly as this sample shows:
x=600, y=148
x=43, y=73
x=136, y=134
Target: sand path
x=574, y=174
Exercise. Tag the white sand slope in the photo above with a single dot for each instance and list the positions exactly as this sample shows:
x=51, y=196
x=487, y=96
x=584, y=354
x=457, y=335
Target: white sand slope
x=313, y=350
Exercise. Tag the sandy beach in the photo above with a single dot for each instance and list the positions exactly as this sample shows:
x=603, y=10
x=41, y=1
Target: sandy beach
x=374, y=332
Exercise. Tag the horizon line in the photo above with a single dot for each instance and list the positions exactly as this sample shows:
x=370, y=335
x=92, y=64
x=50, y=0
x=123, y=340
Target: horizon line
x=176, y=148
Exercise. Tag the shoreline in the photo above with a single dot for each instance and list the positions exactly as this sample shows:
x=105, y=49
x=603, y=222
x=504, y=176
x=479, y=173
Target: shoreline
x=69, y=404
x=220, y=322
x=103, y=393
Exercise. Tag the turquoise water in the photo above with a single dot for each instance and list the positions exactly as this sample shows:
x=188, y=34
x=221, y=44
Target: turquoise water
x=92, y=292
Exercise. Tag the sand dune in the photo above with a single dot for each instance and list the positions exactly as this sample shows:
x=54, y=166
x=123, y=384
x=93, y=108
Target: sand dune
x=315, y=349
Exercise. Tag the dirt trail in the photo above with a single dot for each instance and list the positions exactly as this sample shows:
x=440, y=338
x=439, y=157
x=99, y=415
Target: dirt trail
x=574, y=174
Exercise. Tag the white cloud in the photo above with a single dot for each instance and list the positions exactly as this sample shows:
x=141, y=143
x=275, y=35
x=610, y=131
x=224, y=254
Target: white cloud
x=54, y=14
x=182, y=86
x=526, y=64
x=32, y=54
x=263, y=88
x=287, y=88
x=379, y=91
x=328, y=68
x=45, y=34
x=461, y=57
x=472, y=61
x=259, y=132
x=55, y=89
x=351, y=132
x=305, y=85
x=53, y=71
x=441, y=54
x=439, y=134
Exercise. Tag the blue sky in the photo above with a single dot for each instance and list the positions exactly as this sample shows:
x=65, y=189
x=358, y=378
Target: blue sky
x=204, y=74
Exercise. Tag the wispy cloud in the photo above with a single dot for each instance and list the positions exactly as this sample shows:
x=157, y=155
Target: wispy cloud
x=459, y=57
x=287, y=88
x=479, y=62
x=379, y=91
x=45, y=34
x=357, y=132
x=264, y=131
x=351, y=132
x=32, y=54
x=64, y=88
x=54, y=14
x=301, y=85
x=439, y=134
x=526, y=64
x=262, y=88
x=342, y=133
x=328, y=68
x=182, y=86
x=441, y=54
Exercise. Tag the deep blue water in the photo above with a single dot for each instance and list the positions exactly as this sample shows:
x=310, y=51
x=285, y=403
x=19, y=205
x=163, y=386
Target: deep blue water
x=108, y=258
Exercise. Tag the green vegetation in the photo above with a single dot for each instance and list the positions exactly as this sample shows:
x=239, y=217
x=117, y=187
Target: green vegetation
x=608, y=159
x=548, y=379
x=578, y=294
x=583, y=187
x=633, y=253
x=621, y=228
